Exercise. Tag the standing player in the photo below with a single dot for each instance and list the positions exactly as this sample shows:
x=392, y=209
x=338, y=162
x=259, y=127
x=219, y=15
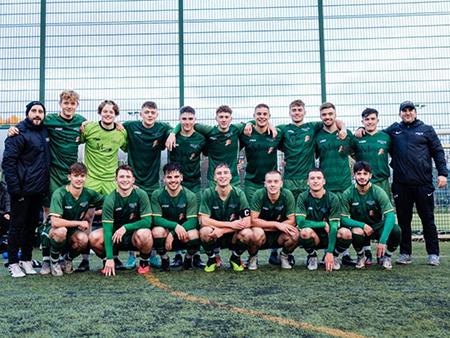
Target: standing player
x=373, y=147
x=333, y=154
x=188, y=147
x=318, y=216
x=273, y=220
x=126, y=219
x=368, y=212
x=225, y=219
x=26, y=164
x=66, y=223
x=175, y=210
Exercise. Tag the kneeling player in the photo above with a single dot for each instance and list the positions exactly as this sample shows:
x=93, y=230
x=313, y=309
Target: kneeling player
x=175, y=216
x=225, y=219
x=368, y=212
x=65, y=228
x=126, y=219
x=273, y=220
x=318, y=215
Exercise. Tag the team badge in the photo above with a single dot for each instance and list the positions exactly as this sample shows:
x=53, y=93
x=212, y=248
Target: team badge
x=307, y=138
x=341, y=149
x=132, y=216
x=371, y=213
x=271, y=149
x=155, y=143
x=182, y=216
x=193, y=155
x=232, y=217
x=227, y=142
x=381, y=152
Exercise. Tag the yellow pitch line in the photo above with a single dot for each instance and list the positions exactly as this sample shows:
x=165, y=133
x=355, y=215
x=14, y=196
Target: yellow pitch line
x=288, y=322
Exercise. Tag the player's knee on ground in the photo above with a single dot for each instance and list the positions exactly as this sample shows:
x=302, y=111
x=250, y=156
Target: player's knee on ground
x=158, y=232
x=344, y=233
x=58, y=234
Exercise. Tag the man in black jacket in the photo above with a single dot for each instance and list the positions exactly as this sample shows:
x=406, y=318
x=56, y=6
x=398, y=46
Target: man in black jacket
x=5, y=207
x=413, y=146
x=26, y=162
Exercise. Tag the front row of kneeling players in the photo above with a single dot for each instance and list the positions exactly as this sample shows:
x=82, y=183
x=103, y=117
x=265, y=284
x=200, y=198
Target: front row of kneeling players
x=318, y=220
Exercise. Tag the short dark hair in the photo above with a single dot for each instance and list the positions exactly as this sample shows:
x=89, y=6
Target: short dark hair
x=110, y=102
x=187, y=109
x=262, y=105
x=149, y=104
x=326, y=105
x=224, y=109
x=362, y=165
x=316, y=170
x=222, y=165
x=369, y=111
x=171, y=166
x=296, y=103
x=78, y=168
x=271, y=172
x=124, y=167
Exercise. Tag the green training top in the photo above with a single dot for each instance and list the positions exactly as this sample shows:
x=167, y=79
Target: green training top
x=374, y=208
x=261, y=152
x=102, y=148
x=298, y=146
x=374, y=149
x=234, y=207
x=317, y=212
x=168, y=211
x=144, y=151
x=67, y=207
x=333, y=156
x=132, y=212
x=279, y=211
x=187, y=152
x=64, y=139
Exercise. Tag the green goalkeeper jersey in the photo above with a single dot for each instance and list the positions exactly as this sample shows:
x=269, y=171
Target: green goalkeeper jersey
x=187, y=152
x=233, y=208
x=170, y=211
x=64, y=139
x=279, y=211
x=132, y=212
x=333, y=154
x=298, y=146
x=102, y=148
x=66, y=206
x=261, y=153
x=374, y=149
x=144, y=151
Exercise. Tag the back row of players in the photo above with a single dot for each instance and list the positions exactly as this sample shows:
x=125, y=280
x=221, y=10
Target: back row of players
x=224, y=212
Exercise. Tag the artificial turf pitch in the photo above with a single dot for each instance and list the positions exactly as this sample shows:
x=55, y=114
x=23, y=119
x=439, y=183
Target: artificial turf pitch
x=408, y=301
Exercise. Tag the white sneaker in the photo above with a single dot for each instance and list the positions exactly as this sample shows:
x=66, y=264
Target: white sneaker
x=313, y=263
x=337, y=263
x=46, y=268
x=68, y=267
x=28, y=267
x=386, y=262
x=361, y=261
x=15, y=270
x=56, y=270
x=433, y=260
x=285, y=262
x=252, y=263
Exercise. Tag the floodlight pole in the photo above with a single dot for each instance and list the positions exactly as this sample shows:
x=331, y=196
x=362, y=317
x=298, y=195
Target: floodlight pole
x=181, y=50
x=323, y=83
x=42, y=52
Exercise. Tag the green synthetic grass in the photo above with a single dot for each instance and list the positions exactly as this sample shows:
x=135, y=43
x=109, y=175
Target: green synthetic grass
x=409, y=301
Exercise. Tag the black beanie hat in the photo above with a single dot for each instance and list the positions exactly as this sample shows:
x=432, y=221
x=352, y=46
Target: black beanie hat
x=33, y=103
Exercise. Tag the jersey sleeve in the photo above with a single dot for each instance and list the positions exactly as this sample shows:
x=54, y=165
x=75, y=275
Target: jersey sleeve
x=191, y=211
x=244, y=208
x=335, y=209
x=123, y=144
x=84, y=135
x=256, y=202
x=240, y=126
x=205, y=207
x=56, y=204
x=203, y=128
x=157, y=213
x=145, y=211
x=345, y=203
x=96, y=199
x=108, y=224
x=290, y=204
x=156, y=207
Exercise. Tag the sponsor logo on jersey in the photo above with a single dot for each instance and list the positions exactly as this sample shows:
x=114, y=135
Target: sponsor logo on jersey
x=58, y=128
x=306, y=129
x=371, y=213
x=381, y=141
x=265, y=208
x=252, y=140
x=215, y=207
x=227, y=142
x=232, y=205
x=355, y=203
x=232, y=217
x=371, y=202
x=362, y=141
x=133, y=215
x=341, y=149
x=213, y=138
x=322, y=141
x=307, y=138
x=290, y=131
x=137, y=132
x=133, y=205
x=193, y=155
x=279, y=218
x=68, y=207
x=165, y=206
x=118, y=209
x=96, y=139
x=83, y=204
x=381, y=152
x=193, y=145
x=155, y=143
x=418, y=133
x=398, y=132
x=182, y=216
x=271, y=149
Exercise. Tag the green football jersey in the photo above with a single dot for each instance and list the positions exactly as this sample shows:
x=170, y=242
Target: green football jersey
x=132, y=212
x=279, y=211
x=374, y=149
x=261, y=153
x=187, y=152
x=318, y=210
x=298, y=146
x=334, y=161
x=67, y=207
x=144, y=151
x=102, y=148
x=64, y=139
x=222, y=147
x=234, y=207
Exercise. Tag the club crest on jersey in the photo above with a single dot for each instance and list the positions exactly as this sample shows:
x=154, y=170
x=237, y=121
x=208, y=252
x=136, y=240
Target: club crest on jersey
x=118, y=209
x=371, y=213
x=182, y=216
x=165, y=206
x=232, y=217
x=279, y=207
x=279, y=218
x=83, y=204
x=133, y=215
x=155, y=143
x=322, y=141
x=137, y=132
x=215, y=207
x=193, y=155
x=181, y=205
x=133, y=205
x=355, y=203
x=58, y=128
x=307, y=138
x=271, y=149
x=227, y=142
x=381, y=141
x=341, y=149
x=265, y=208
x=82, y=215
x=381, y=152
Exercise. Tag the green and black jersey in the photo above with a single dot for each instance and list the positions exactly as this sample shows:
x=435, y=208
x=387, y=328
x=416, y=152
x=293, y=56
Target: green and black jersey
x=132, y=212
x=333, y=154
x=234, y=207
x=187, y=152
x=279, y=211
x=144, y=151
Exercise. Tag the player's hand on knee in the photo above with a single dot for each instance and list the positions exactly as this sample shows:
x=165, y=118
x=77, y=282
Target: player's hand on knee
x=368, y=230
x=181, y=233
x=169, y=241
x=117, y=237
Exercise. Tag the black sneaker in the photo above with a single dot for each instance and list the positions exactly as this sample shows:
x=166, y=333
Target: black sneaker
x=118, y=265
x=322, y=261
x=84, y=266
x=347, y=260
x=291, y=260
x=274, y=259
x=368, y=258
x=187, y=265
x=177, y=261
x=197, y=262
x=165, y=264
